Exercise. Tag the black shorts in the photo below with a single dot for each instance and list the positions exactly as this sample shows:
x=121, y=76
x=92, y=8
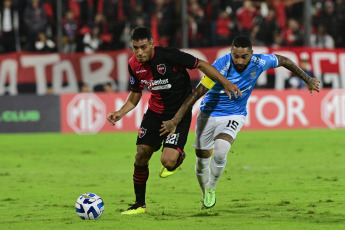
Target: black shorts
x=151, y=124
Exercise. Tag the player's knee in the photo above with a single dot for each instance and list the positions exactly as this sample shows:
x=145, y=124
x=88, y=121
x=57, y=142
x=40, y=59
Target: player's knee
x=202, y=165
x=143, y=154
x=203, y=153
x=221, y=149
x=140, y=159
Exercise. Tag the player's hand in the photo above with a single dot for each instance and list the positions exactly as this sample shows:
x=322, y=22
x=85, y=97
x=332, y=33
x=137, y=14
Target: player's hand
x=168, y=127
x=113, y=117
x=232, y=88
x=313, y=84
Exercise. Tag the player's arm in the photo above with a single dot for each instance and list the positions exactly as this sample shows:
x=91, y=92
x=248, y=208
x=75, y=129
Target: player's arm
x=213, y=73
x=312, y=83
x=131, y=102
x=169, y=127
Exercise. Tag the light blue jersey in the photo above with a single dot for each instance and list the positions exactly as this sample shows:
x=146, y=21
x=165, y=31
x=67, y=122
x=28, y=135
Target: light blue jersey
x=216, y=102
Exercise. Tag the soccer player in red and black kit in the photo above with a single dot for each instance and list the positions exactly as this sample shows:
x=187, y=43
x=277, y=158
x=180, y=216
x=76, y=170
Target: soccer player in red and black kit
x=163, y=72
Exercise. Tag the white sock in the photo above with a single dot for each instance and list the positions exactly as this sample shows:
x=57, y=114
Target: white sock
x=221, y=149
x=202, y=172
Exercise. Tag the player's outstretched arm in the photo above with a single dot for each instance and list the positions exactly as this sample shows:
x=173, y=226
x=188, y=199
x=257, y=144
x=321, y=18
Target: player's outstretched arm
x=132, y=101
x=213, y=73
x=312, y=83
x=169, y=127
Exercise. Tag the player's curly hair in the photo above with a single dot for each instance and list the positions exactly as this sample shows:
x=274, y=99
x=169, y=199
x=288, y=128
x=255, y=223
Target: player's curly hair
x=141, y=33
x=241, y=41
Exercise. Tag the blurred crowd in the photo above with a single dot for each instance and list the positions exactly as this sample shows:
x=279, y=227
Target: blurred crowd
x=92, y=25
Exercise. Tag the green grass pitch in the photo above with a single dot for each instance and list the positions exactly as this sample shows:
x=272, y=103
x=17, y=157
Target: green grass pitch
x=273, y=180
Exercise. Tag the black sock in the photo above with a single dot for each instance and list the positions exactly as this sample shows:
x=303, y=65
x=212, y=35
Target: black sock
x=179, y=160
x=140, y=176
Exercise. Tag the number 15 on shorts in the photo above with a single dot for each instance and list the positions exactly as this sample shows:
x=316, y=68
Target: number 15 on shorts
x=232, y=124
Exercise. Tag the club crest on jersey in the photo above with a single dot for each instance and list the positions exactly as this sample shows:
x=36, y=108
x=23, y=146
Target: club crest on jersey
x=253, y=74
x=142, y=132
x=161, y=69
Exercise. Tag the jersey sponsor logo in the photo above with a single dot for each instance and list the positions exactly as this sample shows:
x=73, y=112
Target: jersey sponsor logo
x=235, y=80
x=258, y=61
x=161, y=69
x=159, y=87
x=157, y=84
x=142, y=132
x=242, y=91
x=252, y=74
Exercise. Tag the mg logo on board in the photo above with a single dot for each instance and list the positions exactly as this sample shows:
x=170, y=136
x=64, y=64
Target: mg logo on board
x=86, y=113
x=333, y=108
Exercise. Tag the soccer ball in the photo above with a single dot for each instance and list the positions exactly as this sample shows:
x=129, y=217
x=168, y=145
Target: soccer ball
x=89, y=206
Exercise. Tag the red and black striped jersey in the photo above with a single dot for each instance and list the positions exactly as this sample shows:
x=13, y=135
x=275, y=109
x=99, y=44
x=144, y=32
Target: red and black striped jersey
x=166, y=76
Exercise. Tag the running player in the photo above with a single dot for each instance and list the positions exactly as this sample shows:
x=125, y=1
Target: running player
x=220, y=119
x=163, y=72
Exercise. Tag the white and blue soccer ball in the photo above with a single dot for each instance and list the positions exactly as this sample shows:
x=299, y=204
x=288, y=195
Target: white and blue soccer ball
x=89, y=206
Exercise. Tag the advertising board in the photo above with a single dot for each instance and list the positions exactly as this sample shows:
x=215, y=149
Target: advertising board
x=29, y=113
x=267, y=109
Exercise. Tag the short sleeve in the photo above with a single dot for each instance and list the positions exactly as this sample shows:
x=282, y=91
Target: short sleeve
x=134, y=81
x=223, y=64
x=271, y=61
x=180, y=58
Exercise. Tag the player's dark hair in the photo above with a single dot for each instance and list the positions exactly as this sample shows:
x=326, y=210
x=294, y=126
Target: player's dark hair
x=241, y=41
x=141, y=33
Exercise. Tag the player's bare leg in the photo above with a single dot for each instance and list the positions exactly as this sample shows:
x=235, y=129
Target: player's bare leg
x=171, y=160
x=140, y=176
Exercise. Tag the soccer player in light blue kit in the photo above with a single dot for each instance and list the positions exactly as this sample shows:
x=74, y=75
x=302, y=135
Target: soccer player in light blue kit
x=220, y=119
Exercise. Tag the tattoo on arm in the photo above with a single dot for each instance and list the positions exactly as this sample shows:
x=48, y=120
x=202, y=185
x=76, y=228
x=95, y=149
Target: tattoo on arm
x=187, y=105
x=290, y=65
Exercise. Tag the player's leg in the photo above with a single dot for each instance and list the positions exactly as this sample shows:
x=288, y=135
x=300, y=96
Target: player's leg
x=171, y=160
x=140, y=177
x=204, y=140
x=148, y=141
x=202, y=168
x=225, y=134
x=173, y=154
x=141, y=171
x=222, y=145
